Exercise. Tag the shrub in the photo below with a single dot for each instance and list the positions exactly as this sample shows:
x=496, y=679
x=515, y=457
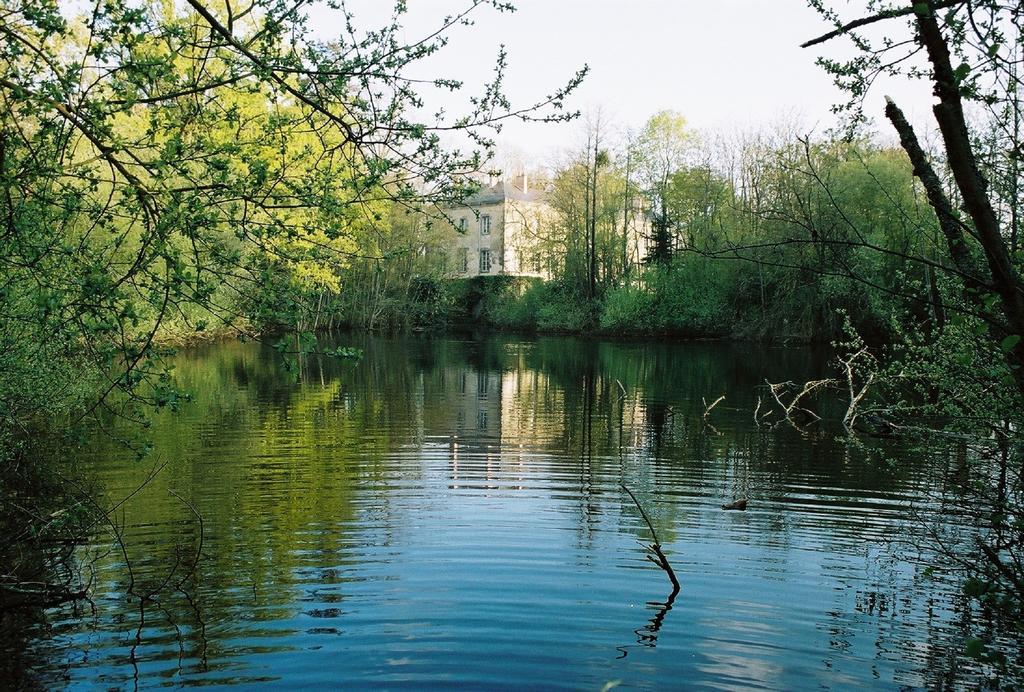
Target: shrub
x=629, y=308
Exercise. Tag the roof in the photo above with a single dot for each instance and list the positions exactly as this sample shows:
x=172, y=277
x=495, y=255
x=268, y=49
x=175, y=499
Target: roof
x=500, y=192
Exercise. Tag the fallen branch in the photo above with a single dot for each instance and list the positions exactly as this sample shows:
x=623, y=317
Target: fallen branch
x=707, y=409
x=850, y=418
x=788, y=409
x=757, y=410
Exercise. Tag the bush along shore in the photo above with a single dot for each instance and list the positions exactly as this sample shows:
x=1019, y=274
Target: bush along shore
x=670, y=303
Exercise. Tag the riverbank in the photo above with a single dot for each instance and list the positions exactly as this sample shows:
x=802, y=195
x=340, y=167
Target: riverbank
x=660, y=305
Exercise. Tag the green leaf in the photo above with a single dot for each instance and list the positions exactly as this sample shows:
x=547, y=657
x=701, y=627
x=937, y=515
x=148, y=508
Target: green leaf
x=975, y=588
x=975, y=648
x=1008, y=344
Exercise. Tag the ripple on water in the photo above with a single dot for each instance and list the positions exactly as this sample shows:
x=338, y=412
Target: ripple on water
x=452, y=513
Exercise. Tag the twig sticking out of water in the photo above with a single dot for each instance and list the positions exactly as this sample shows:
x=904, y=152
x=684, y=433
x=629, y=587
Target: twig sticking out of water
x=655, y=554
x=707, y=408
x=850, y=366
x=794, y=404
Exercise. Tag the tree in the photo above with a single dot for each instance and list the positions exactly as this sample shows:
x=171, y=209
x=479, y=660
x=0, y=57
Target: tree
x=189, y=165
x=984, y=38
x=662, y=147
x=970, y=53
x=593, y=200
x=167, y=161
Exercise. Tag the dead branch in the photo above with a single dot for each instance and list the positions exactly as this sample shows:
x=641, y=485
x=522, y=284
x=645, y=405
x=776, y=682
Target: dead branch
x=779, y=389
x=707, y=409
x=759, y=417
x=654, y=549
x=850, y=419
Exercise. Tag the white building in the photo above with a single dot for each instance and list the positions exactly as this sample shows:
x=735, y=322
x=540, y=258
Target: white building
x=498, y=231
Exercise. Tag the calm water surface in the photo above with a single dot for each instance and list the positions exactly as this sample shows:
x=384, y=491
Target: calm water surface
x=450, y=512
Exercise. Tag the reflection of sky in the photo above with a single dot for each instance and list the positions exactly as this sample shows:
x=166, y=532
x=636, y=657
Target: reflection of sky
x=377, y=528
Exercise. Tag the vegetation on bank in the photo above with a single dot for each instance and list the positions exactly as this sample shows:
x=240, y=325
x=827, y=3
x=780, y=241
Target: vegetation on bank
x=773, y=237
x=694, y=298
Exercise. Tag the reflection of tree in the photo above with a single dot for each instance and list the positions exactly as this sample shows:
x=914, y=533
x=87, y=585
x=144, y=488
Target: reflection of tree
x=588, y=508
x=658, y=418
x=272, y=466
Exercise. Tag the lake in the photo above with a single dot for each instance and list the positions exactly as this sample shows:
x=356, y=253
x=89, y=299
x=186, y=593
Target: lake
x=453, y=512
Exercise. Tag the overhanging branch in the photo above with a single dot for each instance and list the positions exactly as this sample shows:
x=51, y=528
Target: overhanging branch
x=865, y=21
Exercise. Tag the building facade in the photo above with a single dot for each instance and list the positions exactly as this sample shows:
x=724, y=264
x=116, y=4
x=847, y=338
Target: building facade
x=498, y=231
x=509, y=228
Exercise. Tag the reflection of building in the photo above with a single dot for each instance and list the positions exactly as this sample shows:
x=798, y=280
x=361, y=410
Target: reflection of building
x=501, y=421
x=517, y=411
x=465, y=405
x=488, y=409
x=491, y=420
x=498, y=230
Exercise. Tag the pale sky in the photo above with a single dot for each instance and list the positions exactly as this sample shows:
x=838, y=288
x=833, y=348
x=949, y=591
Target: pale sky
x=723, y=64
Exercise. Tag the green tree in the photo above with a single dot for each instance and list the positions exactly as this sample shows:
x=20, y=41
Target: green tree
x=168, y=161
x=663, y=147
x=181, y=166
x=969, y=52
x=593, y=200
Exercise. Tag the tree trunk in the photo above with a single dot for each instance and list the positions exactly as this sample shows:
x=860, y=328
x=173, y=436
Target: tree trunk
x=949, y=113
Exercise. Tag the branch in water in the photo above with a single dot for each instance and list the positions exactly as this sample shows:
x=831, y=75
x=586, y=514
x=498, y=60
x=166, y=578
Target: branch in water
x=648, y=634
x=707, y=408
x=656, y=556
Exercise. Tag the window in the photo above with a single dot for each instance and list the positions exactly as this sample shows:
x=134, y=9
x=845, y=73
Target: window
x=485, y=224
x=463, y=257
x=463, y=224
x=485, y=261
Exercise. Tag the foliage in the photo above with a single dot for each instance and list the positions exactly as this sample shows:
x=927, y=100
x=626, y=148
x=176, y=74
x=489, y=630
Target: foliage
x=516, y=303
x=208, y=167
x=689, y=298
x=562, y=309
x=629, y=309
x=174, y=170
x=591, y=242
x=966, y=364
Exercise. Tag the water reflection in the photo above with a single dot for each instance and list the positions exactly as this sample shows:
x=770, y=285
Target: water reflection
x=451, y=511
